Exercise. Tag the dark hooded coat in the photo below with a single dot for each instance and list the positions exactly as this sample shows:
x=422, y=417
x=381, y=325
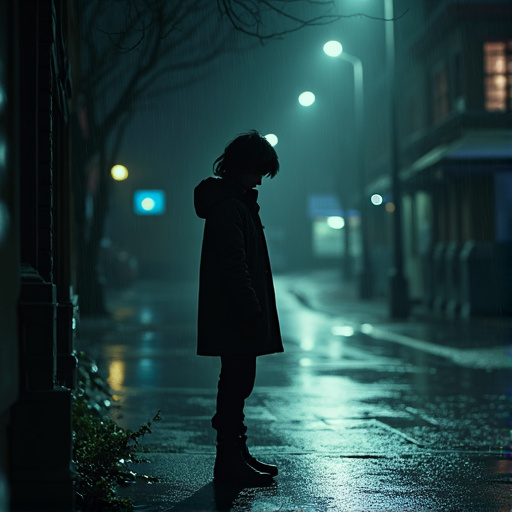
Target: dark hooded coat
x=237, y=308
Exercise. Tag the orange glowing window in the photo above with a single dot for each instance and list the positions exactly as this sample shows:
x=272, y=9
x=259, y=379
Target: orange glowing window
x=498, y=76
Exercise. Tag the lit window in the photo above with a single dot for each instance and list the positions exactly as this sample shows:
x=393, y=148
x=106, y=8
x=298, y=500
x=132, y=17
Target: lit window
x=498, y=76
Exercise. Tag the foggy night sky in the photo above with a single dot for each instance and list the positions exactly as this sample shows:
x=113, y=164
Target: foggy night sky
x=173, y=144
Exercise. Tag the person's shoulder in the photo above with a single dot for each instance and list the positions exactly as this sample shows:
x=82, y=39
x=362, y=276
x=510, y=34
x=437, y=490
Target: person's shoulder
x=229, y=206
x=230, y=203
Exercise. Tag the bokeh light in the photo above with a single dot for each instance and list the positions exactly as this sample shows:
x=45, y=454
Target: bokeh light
x=376, y=199
x=119, y=172
x=307, y=98
x=272, y=139
x=335, y=222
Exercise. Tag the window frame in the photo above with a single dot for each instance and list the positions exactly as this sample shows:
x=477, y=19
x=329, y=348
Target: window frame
x=497, y=97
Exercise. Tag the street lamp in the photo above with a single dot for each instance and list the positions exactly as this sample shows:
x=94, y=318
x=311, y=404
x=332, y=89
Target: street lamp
x=335, y=49
x=306, y=99
x=272, y=139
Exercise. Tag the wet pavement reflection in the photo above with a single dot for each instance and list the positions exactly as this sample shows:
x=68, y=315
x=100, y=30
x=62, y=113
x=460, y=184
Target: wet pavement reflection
x=359, y=414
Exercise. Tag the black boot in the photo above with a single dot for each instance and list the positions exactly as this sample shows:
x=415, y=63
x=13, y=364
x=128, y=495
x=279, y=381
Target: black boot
x=255, y=463
x=230, y=466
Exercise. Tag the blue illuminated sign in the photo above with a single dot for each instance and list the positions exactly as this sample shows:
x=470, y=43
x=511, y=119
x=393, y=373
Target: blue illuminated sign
x=149, y=202
x=324, y=205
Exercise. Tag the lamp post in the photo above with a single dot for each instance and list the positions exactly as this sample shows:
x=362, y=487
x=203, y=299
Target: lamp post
x=335, y=49
x=399, y=294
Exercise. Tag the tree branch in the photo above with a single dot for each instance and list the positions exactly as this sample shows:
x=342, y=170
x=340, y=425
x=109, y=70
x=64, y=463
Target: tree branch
x=246, y=17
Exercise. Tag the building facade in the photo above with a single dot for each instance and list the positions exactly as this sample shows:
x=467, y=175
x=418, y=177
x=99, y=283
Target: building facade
x=39, y=306
x=454, y=84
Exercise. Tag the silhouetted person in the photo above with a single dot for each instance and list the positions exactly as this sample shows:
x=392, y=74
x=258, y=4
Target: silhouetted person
x=237, y=311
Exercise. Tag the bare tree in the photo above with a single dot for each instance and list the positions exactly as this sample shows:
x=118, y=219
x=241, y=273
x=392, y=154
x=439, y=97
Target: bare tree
x=271, y=19
x=133, y=51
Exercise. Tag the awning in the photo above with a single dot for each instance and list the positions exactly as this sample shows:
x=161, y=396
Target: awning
x=477, y=151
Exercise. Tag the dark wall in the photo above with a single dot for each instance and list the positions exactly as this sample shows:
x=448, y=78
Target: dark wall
x=9, y=239
x=36, y=304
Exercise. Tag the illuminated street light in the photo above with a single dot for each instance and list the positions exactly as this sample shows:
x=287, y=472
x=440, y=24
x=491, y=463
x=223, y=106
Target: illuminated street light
x=119, y=172
x=335, y=49
x=376, y=199
x=306, y=99
x=272, y=139
x=399, y=293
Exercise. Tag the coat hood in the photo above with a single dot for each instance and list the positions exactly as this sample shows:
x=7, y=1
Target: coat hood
x=214, y=190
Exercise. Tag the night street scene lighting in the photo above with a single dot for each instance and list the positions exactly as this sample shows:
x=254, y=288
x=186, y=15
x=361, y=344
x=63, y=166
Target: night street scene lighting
x=272, y=138
x=306, y=99
x=135, y=133
x=335, y=49
x=119, y=172
x=149, y=202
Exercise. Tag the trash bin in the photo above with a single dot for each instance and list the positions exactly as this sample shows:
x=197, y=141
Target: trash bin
x=486, y=279
x=452, y=273
x=439, y=277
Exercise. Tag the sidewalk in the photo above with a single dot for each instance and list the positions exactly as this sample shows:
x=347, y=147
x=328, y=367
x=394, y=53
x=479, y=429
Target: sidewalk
x=360, y=413
x=475, y=342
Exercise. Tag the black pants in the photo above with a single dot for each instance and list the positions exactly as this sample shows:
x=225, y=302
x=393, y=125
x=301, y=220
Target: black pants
x=236, y=382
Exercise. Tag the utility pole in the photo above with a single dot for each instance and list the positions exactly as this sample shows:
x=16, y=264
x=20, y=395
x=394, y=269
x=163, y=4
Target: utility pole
x=399, y=293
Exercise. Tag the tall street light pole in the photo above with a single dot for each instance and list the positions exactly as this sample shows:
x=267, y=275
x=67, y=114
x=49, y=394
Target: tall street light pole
x=335, y=49
x=399, y=294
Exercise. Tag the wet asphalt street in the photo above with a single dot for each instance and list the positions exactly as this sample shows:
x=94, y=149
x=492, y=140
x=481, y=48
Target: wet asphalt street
x=359, y=413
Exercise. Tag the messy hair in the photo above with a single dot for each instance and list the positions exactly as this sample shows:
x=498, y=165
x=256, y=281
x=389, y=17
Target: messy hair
x=249, y=153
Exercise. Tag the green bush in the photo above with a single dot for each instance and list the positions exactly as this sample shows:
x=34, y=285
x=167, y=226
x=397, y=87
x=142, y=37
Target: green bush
x=102, y=450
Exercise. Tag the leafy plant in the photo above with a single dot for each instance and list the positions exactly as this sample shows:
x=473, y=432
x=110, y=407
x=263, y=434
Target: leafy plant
x=102, y=450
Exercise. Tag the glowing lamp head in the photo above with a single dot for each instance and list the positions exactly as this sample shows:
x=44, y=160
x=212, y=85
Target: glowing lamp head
x=376, y=199
x=272, y=139
x=307, y=98
x=333, y=48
